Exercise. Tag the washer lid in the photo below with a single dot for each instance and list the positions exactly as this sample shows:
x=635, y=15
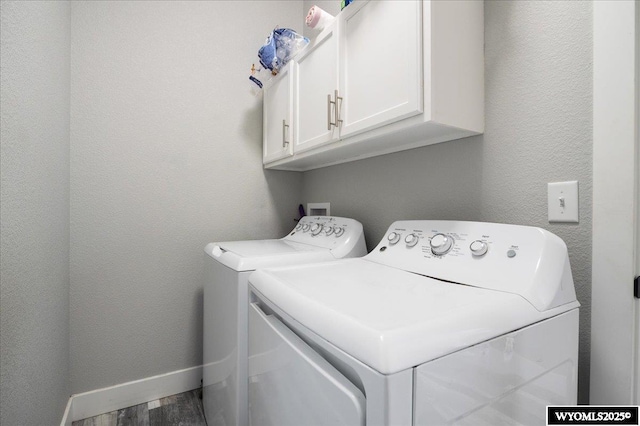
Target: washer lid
x=391, y=319
x=251, y=255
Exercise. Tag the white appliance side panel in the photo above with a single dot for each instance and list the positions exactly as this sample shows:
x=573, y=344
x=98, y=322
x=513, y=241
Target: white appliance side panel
x=290, y=384
x=224, y=395
x=507, y=380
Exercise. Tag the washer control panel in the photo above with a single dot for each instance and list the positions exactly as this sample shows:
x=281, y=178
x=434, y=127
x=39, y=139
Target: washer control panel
x=521, y=259
x=323, y=225
x=330, y=232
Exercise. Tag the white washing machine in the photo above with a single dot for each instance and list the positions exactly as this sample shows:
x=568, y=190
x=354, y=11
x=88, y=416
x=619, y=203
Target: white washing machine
x=443, y=323
x=226, y=298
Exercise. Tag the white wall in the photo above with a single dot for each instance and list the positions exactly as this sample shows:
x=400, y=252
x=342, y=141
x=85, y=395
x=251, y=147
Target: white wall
x=34, y=206
x=538, y=81
x=166, y=148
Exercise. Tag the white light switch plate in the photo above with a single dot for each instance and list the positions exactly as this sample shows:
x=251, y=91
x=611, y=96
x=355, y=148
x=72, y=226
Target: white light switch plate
x=563, y=201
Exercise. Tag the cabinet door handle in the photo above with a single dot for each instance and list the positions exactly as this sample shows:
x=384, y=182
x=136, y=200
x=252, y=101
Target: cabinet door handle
x=338, y=106
x=285, y=127
x=329, y=103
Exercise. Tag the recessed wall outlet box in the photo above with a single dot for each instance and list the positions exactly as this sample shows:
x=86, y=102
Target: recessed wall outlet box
x=319, y=209
x=563, y=201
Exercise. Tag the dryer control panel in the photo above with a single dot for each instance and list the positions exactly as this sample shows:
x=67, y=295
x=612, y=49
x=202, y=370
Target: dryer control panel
x=528, y=261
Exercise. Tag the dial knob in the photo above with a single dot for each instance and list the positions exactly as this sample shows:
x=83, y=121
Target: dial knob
x=298, y=226
x=328, y=230
x=411, y=240
x=393, y=237
x=478, y=248
x=441, y=244
x=338, y=231
x=305, y=227
x=316, y=228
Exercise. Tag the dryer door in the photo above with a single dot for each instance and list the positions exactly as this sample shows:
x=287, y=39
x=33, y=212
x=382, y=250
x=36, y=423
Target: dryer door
x=290, y=384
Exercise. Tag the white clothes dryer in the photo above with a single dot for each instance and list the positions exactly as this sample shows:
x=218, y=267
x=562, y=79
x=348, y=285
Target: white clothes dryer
x=443, y=323
x=226, y=298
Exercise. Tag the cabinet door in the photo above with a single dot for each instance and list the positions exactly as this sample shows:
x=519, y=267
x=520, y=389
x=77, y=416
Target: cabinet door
x=316, y=85
x=277, y=120
x=380, y=64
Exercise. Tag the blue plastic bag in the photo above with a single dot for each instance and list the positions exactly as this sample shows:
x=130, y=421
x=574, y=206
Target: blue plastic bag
x=281, y=45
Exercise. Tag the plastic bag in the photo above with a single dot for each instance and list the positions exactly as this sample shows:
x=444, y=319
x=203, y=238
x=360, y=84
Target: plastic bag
x=281, y=45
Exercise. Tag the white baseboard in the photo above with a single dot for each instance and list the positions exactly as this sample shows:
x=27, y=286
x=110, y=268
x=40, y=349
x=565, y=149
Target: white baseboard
x=100, y=401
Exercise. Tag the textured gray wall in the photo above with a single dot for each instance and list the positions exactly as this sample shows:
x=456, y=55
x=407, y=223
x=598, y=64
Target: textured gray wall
x=538, y=67
x=166, y=155
x=34, y=205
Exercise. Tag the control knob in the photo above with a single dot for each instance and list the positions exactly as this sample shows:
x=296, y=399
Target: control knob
x=305, y=227
x=328, y=230
x=393, y=237
x=411, y=240
x=316, y=228
x=298, y=226
x=338, y=231
x=478, y=248
x=441, y=244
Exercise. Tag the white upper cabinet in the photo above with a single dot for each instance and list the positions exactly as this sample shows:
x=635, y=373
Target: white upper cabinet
x=385, y=76
x=316, y=85
x=381, y=64
x=277, y=116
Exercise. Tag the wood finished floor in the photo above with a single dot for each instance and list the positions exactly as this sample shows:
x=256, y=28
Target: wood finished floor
x=184, y=409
